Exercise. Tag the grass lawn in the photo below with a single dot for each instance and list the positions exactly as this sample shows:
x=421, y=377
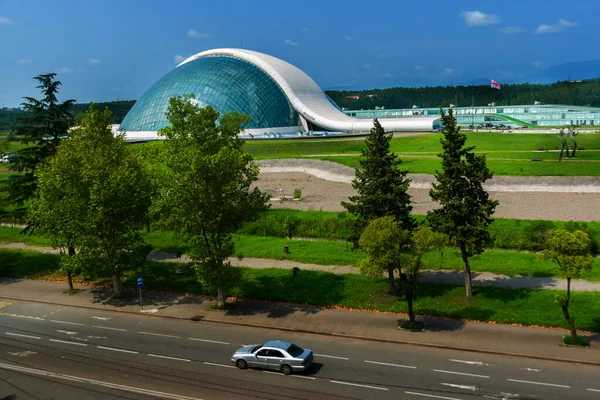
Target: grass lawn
x=508, y=154
x=514, y=306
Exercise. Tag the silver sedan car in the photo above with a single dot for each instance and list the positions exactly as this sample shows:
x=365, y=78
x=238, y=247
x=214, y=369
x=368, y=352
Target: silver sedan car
x=275, y=354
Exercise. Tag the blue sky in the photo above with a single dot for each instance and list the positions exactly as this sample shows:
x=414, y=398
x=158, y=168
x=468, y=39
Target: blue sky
x=116, y=49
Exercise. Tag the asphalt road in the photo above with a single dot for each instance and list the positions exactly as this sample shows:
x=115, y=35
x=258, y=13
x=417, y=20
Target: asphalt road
x=49, y=352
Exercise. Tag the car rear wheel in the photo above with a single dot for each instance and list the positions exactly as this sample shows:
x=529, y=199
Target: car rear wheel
x=241, y=364
x=286, y=369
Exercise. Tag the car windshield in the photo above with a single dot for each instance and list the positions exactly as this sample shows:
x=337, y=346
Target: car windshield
x=294, y=350
x=252, y=350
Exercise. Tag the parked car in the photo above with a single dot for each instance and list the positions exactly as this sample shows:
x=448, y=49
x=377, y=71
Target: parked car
x=274, y=354
x=524, y=126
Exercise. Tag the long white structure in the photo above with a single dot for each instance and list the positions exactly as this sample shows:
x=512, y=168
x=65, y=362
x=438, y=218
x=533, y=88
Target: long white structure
x=278, y=97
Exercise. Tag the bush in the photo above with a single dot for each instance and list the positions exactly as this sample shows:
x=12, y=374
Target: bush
x=297, y=193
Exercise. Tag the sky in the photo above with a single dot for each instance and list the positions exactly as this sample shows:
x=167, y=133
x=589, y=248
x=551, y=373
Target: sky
x=116, y=49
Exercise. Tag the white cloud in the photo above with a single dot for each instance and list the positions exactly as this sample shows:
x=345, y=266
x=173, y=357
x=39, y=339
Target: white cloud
x=290, y=42
x=537, y=64
x=477, y=18
x=448, y=71
x=387, y=75
x=197, y=35
x=5, y=21
x=367, y=66
x=178, y=59
x=418, y=67
x=512, y=30
x=23, y=61
x=306, y=29
x=95, y=61
x=560, y=26
x=348, y=37
x=64, y=70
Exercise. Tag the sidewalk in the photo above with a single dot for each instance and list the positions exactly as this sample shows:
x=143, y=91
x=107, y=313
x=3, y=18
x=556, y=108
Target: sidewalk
x=539, y=343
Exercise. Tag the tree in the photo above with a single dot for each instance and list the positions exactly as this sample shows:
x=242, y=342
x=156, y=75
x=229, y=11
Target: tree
x=422, y=240
x=571, y=251
x=383, y=241
x=41, y=130
x=206, y=186
x=466, y=209
x=381, y=186
x=94, y=196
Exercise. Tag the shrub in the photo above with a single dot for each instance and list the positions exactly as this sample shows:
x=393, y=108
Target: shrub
x=297, y=193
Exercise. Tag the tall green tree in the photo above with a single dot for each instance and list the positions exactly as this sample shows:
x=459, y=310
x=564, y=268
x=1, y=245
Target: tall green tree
x=94, y=197
x=41, y=130
x=206, y=194
x=381, y=186
x=466, y=212
x=571, y=251
x=383, y=241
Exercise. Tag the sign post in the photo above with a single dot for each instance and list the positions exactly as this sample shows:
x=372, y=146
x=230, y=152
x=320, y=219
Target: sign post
x=140, y=284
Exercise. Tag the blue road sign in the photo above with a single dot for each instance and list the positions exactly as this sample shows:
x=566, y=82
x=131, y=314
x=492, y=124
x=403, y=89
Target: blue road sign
x=140, y=282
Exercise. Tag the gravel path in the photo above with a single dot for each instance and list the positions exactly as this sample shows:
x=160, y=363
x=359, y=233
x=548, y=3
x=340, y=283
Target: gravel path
x=326, y=184
x=432, y=276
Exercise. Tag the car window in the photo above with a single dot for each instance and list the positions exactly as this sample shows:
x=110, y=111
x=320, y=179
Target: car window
x=295, y=351
x=275, y=353
x=263, y=353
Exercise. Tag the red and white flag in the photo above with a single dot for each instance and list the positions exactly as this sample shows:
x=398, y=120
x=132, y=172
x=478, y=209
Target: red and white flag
x=495, y=85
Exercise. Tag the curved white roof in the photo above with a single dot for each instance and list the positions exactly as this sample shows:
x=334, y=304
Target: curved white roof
x=308, y=99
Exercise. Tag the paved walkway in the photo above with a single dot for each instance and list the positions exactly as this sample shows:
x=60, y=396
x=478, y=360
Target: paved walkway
x=431, y=276
x=509, y=340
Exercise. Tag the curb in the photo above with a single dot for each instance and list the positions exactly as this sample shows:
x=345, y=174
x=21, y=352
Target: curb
x=334, y=334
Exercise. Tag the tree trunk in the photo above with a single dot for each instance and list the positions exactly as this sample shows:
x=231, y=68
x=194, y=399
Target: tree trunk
x=392, y=288
x=69, y=277
x=220, y=296
x=409, y=300
x=117, y=284
x=565, y=310
x=467, y=271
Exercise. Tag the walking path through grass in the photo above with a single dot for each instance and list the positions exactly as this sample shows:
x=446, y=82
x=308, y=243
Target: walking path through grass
x=428, y=276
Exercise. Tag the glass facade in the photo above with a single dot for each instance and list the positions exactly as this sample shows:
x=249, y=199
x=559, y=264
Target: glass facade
x=226, y=84
x=509, y=116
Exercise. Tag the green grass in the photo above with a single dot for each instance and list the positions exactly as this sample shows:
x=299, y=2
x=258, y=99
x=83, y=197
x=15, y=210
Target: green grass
x=507, y=154
x=513, y=306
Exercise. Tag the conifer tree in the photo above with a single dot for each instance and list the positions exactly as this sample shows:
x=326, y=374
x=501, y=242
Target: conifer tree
x=466, y=212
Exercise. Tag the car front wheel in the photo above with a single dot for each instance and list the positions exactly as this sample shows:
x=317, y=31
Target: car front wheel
x=241, y=364
x=286, y=369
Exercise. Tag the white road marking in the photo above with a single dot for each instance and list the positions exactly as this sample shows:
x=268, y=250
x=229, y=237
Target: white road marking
x=102, y=318
x=66, y=322
x=218, y=365
x=466, y=387
x=114, y=349
x=170, y=358
x=20, y=335
x=391, y=365
x=532, y=369
x=594, y=390
x=336, y=357
x=461, y=373
x=109, y=328
x=209, y=341
x=96, y=337
x=158, y=334
x=540, y=383
x=312, y=378
x=67, y=332
x=65, y=342
x=469, y=362
x=359, y=385
x=98, y=383
x=26, y=353
x=432, y=396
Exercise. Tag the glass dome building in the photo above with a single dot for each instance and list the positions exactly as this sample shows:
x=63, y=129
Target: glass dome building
x=278, y=97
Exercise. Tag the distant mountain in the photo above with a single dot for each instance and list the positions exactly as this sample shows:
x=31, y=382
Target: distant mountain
x=563, y=72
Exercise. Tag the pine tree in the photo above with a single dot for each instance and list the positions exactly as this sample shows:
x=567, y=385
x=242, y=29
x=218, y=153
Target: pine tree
x=465, y=215
x=381, y=186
